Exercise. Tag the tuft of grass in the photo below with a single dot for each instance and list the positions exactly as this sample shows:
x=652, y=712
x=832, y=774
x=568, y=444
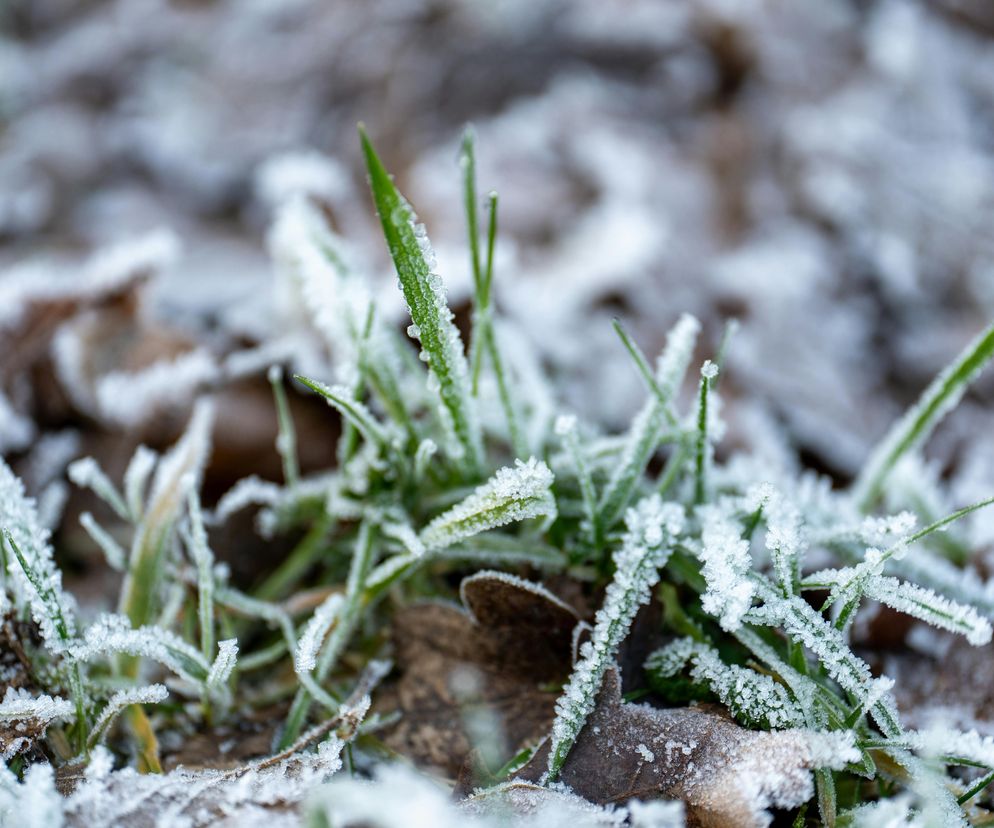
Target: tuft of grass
x=425, y=489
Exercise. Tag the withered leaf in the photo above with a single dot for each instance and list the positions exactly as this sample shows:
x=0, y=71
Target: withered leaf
x=21, y=735
x=507, y=653
x=727, y=776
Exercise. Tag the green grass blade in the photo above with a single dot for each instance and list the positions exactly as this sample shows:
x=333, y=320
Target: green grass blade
x=709, y=372
x=286, y=440
x=638, y=357
x=425, y=296
x=644, y=434
x=353, y=411
x=909, y=432
x=484, y=340
x=467, y=160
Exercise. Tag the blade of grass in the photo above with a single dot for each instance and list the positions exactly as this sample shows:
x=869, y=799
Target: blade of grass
x=484, y=338
x=286, y=440
x=425, y=296
x=340, y=633
x=645, y=432
x=638, y=357
x=352, y=411
x=909, y=432
x=709, y=372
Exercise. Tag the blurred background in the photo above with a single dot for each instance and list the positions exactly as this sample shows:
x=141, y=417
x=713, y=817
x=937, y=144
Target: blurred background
x=824, y=172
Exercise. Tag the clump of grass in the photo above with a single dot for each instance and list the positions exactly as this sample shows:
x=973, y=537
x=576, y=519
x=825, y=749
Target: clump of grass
x=424, y=486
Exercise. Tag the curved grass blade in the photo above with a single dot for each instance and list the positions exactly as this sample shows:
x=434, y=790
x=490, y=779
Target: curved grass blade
x=941, y=396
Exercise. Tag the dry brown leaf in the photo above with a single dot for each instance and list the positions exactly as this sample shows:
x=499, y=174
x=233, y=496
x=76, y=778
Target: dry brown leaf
x=727, y=776
x=18, y=736
x=512, y=640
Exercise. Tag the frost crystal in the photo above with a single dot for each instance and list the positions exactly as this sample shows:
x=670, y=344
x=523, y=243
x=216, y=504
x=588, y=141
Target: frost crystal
x=651, y=527
x=726, y=563
x=150, y=694
x=19, y=706
x=305, y=658
x=112, y=634
x=512, y=494
x=752, y=698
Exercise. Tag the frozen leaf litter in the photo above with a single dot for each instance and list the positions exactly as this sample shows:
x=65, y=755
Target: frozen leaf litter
x=736, y=588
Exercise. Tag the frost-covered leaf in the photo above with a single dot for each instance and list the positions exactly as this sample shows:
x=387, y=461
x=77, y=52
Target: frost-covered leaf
x=513, y=638
x=728, y=777
x=149, y=694
x=306, y=654
x=178, y=470
x=114, y=553
x=113, y=634
x=938, y=399
x=726, y=564
x=87, y=474
x=926, y=605
x=512, y=494
x=223, y=665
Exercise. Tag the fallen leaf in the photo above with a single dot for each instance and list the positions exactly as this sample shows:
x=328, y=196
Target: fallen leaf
x=728, y=777
x=510, y=645
x=20, y=735
x=539, y=805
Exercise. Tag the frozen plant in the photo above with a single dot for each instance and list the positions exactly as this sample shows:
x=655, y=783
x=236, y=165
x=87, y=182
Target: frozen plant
x=759, y=571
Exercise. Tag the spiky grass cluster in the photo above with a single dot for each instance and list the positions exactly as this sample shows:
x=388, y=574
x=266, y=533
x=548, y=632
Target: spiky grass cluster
x=424, y=484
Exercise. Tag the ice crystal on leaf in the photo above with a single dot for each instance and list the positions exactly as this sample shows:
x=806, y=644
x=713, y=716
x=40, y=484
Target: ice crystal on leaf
x=514, y=493
x=149, y=694
x=726, y=563
x=751, y=697
x=112, y=634
x=34, y=578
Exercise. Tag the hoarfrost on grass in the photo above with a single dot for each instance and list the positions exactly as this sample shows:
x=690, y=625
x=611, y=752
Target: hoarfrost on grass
x=514, y=493
x=652, y=526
